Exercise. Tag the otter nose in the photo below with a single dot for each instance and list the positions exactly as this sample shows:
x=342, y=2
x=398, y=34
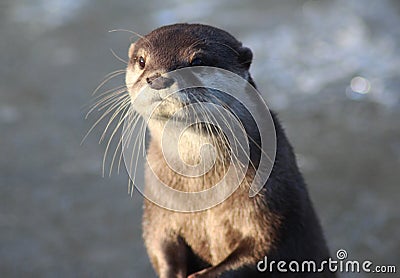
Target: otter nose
x=158, y=82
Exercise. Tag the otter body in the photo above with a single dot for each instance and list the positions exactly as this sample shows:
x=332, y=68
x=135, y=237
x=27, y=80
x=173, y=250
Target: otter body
x=228, y=239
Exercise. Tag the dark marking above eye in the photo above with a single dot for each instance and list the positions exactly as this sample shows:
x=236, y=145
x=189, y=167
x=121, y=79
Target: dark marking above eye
x=142, y=62
x=196, y=62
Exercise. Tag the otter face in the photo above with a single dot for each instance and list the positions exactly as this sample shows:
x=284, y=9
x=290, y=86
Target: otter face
x=173, y=47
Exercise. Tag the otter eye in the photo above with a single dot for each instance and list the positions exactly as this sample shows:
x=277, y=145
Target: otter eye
x=142, y=62
x=196, y=62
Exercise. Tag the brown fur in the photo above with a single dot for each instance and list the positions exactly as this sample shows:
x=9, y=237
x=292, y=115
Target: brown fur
x=229, y=239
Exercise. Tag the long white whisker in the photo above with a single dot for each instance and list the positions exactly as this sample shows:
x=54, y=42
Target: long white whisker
x=118, y=97
x=248, y=136
x=123, y=106
x=132, y=32
x=240, y=145
x=135, y=145
x=105, y=101
x=112, y=107
x=125, y=114
x=117, y=57
x=133, y=117
x=108, y=78
x=223, y=139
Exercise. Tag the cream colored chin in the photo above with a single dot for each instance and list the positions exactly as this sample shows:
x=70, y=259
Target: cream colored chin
x=154, y=106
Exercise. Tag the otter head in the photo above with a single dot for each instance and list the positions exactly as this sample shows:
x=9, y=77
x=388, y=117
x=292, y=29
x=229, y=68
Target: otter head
x=155, y=56
x=178, y=46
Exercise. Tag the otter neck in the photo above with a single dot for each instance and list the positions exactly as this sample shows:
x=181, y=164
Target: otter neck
x=191, y=145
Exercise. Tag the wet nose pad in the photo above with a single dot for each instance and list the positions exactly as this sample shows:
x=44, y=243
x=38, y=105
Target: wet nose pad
x=158, y=82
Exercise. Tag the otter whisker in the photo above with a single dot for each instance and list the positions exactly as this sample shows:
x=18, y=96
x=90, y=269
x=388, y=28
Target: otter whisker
x=105, y=101
x=223, y=139
x=247, y=156
x=123, y=102
x=103, y=97
x=133, y=116
x=109, y=92
x=248, y=135
x=132, y=32
x=108, y=77
x=235, y=137
x=121, y=94
x=139, y=138
x=143, y=137
x=194, y=113
x=135, y=145
x=208, y=129
x=124, y=115
x=225, y=106
x=226, y=123
x=222, y=154
x=143, y=134
x=127, y=119
x=130, y=127
x=113, y=105
x=194, y=44
x=223, y=44
x=123, y=107
x=246, y=62
x=117, y=57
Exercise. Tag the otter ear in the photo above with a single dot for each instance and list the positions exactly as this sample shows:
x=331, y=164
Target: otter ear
x=245, y=56
x=131, y=48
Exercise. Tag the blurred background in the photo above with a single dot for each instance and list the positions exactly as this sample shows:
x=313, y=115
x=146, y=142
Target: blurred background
x=331, y=69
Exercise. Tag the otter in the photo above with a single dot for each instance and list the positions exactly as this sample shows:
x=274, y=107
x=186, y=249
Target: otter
x=230, y=238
